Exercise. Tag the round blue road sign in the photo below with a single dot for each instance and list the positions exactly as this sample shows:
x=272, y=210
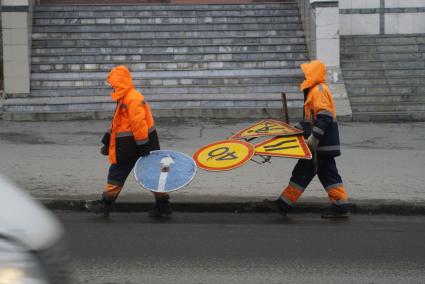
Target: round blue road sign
x=164, y=171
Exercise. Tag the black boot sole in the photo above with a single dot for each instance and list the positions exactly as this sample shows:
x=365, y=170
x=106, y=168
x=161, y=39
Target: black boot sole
x=274, y=207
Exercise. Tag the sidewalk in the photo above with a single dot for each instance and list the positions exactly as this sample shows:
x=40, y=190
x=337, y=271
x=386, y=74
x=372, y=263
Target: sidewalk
x=59, y=162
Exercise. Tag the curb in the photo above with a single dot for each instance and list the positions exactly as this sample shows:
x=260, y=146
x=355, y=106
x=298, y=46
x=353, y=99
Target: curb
x=358, y=207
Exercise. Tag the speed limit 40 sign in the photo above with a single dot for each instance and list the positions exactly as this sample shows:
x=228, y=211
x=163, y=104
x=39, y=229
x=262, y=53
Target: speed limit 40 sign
x=223, y=155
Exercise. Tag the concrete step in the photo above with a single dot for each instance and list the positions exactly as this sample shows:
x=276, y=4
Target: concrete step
x=201, y=13
x=291, y=73
x=87, y=6
x=117, y=35
x=168, y=90
x=384, y=76
x=64, y=43
x=399, y=116
x=388, y=107
x=387, y=90
x=190, y=60
x=372, y=40
x=149, y=20
x=380, y=64
x=165, y=27
x=384, y=48
x=387, y=56
x=161, y=50
x=376, y=73
x=181, y=82
x=200, y=112
x=407, y=98
x=159, y=98
x=66, y=108
x=106, y=66
x=384, y=81
x=83, y=10
x=122, y=59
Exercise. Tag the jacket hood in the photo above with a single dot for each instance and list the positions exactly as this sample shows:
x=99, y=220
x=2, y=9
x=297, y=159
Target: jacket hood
x=120, y=79
x=314, y=72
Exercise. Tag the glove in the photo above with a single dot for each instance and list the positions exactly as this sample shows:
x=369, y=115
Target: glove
x=104, y=150
x=145, y=153
x=297, y=126
x=312, y=143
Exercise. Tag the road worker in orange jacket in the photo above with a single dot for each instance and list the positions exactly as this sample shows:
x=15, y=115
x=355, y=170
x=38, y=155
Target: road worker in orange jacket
x=323, y=140
x=132, y=134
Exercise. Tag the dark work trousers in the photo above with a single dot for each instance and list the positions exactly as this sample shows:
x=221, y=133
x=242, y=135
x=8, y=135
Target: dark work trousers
x=117, y=176
x=118, y=173
x=302, y=175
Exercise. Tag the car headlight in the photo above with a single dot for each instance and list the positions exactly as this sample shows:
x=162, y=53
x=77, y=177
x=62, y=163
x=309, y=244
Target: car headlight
x=19, y=266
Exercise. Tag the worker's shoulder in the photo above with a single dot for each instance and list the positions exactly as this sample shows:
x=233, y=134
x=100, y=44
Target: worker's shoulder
x=134, y=95
x=322, y=89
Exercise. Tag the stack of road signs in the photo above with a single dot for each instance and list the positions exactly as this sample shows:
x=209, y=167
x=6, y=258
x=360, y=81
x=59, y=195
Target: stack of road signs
x=164, y=171
x=286, y=141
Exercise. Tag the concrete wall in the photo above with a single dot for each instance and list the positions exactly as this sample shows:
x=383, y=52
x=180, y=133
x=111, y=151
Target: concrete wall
x=369, y=17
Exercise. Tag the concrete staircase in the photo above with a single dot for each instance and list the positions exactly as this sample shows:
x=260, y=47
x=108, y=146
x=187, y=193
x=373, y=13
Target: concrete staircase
x=385, y=76
x=216, y=60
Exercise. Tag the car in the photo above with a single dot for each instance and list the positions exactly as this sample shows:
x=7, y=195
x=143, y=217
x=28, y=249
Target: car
x=32, y=246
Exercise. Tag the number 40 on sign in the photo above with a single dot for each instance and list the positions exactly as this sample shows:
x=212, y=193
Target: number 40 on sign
x=223, y=155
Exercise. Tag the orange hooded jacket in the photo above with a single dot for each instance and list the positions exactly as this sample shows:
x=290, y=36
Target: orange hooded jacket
x=132, y=133
x=319, y=99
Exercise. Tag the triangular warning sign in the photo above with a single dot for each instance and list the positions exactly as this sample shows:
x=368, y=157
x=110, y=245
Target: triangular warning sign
x=267, y=127
x=289, y=147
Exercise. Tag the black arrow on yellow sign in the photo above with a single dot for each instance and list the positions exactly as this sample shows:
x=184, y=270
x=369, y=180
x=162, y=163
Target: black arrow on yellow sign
x=275, y=147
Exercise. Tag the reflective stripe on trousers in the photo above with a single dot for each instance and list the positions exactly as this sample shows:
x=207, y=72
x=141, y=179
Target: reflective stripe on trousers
x=328, y=175
x=111, y=191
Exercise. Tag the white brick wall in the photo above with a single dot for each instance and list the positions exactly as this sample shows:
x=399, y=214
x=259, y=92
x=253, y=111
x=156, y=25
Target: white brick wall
x=405, y=3
x=356, y=24
x=407, y=23
x=363, y=17
x=358, y=4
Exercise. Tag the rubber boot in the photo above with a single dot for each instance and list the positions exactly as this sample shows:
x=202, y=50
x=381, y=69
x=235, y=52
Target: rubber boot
x=101, y=206
x=161, y=208
x=277, y=206
x=337, y=212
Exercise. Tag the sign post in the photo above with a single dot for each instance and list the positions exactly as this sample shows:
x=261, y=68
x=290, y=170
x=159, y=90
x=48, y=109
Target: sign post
x=285, y=108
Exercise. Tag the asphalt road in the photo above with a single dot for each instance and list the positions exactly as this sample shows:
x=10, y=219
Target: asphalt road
x=245, y=248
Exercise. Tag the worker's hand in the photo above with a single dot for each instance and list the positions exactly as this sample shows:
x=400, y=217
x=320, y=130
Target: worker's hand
x=104, y=150
x=312, y=143
x=297, y=126
x=145, y=153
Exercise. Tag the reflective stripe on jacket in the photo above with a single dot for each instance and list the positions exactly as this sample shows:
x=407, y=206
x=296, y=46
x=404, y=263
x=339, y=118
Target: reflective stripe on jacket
x=319, y=100
x=132, y=132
